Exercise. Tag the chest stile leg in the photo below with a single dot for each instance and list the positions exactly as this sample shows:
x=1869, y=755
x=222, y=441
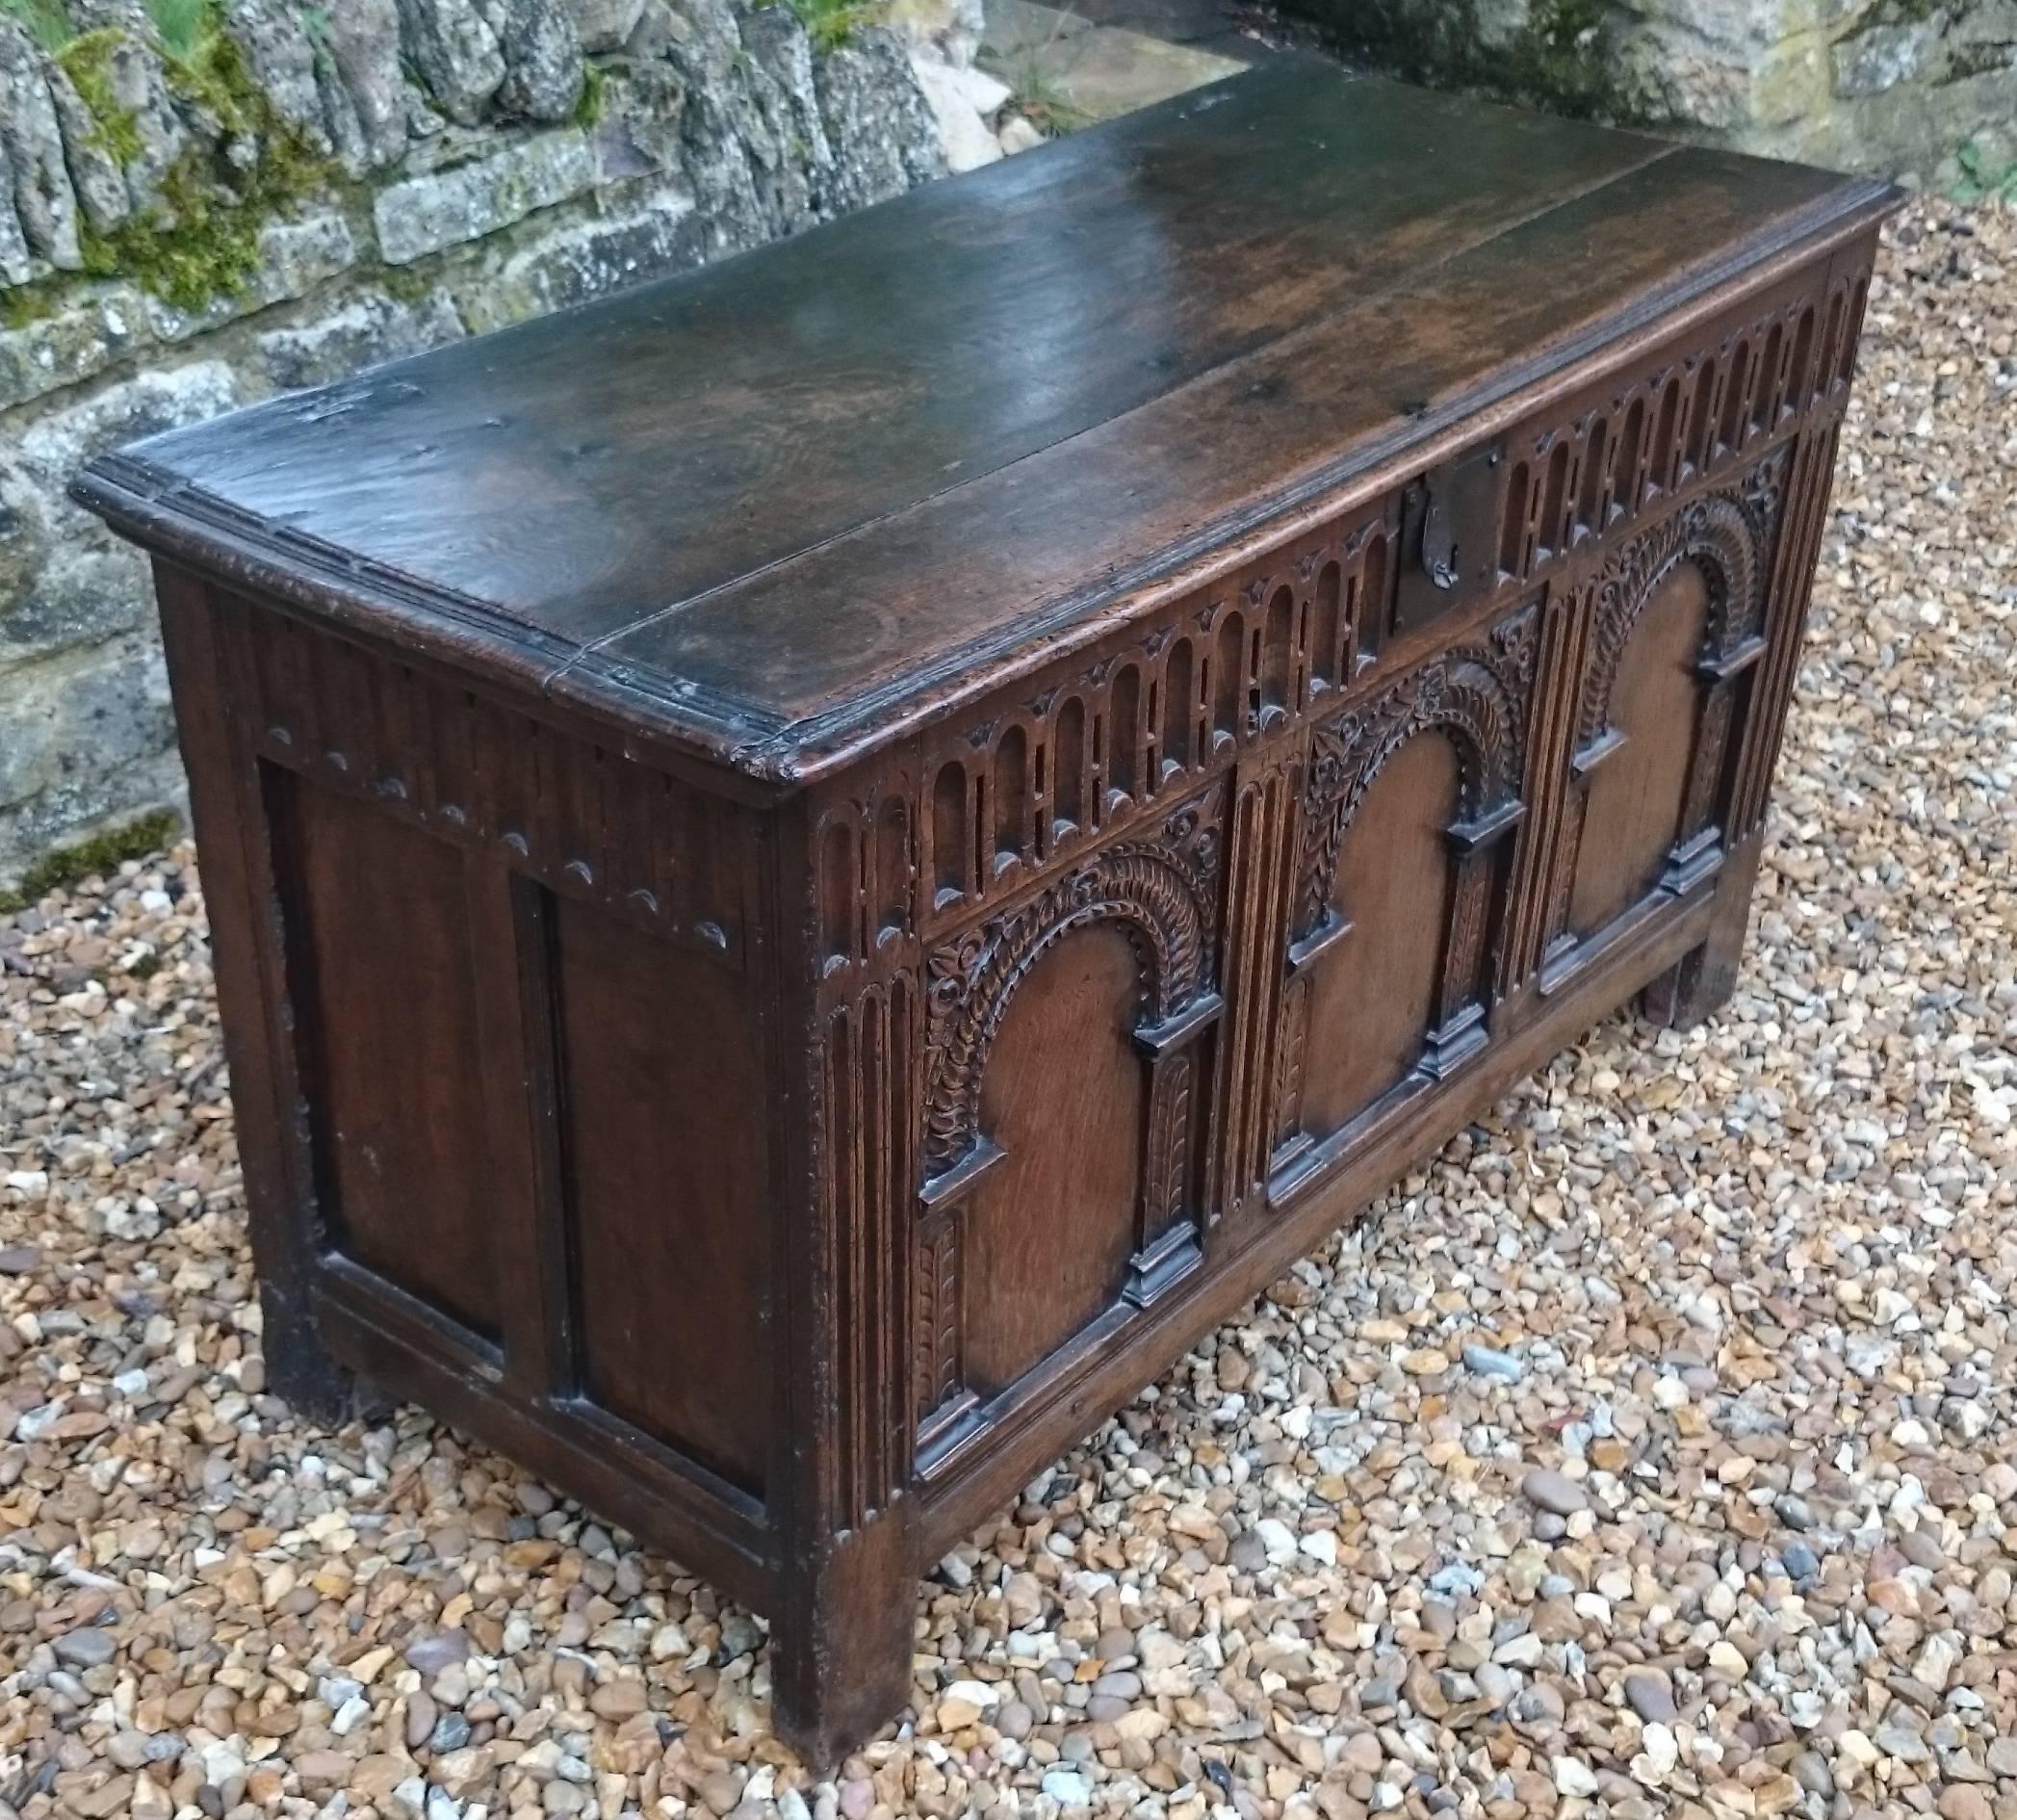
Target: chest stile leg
x=842, y=1647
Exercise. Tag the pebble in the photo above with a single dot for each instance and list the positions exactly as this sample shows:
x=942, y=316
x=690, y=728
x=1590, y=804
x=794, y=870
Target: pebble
x=1553, y=1493
x=1651, y=1695
x=1488, y=1361
x=431, y=1655
x=86, y=1649
x=1677, y=1381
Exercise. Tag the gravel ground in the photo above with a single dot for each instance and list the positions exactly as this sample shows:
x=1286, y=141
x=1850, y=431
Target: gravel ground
x=1653, y=1450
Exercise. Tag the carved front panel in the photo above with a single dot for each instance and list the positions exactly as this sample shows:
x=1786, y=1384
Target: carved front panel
x=1676, y=621
x=1066, y=1037
x=1442, y=785
x=1410, y=800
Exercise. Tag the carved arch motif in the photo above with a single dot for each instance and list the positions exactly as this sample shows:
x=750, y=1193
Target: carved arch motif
x=1160, y=891
x=1476, y=694
x=1726, y=534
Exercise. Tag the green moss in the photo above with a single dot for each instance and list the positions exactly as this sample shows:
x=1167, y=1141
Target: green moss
x=203, y=242
x=25, y=304
x=831, y=24
x=47, y=21
x=1554, y=61
x=104, y=853
x=1036, y=95
x=593, y=99
x=86, y=60
x=1983, y=175
x=410, y=284
x=181, y=25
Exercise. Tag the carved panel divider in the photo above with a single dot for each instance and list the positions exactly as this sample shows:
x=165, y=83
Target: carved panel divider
x=865, y=956
x=1805, y=519
x=1260, y=896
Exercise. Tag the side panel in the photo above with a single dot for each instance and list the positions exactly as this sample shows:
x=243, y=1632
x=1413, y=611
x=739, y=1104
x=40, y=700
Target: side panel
x=662, y=1098
x=385, y=994
x=507, y=991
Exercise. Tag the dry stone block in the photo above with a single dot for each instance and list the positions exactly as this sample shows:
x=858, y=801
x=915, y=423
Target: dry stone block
x=586, y=260
x=368, y=105
x=875, y=111
x=368, y=330
x=1885, y=55
x=542, y=59
x=42, y=197
x=82, y=337
x=456, y=54
x=444, y=208
x=281, y=59
x=17, y=267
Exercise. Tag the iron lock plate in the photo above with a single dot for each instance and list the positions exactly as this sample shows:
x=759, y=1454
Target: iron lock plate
x=1448, y=525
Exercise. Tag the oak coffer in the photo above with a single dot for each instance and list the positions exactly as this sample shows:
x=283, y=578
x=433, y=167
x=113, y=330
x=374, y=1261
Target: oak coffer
x=819, y=865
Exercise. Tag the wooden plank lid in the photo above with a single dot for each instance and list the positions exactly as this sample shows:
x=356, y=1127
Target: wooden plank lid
x=797, y=501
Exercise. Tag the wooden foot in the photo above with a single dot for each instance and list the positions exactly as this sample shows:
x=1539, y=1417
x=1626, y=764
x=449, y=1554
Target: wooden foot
x=300, y=1371
x=1700, y=985
x=840, y=1646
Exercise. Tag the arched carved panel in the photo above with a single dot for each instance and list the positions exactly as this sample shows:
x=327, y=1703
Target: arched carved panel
x=1676, y=620
x=1373, y=995
x=1477, y=694
x=1050, y=1227
x=1632, y=806
x=1162, y=893
x=1387, y=961
x=1061, y=1153
x=1724, y=535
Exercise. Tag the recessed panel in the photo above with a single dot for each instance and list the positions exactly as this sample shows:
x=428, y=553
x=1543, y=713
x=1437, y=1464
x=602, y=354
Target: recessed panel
x=1050, y=1227
x=384, y=999
x=662, y=1098
x=1374, y=991
x=1633, y=805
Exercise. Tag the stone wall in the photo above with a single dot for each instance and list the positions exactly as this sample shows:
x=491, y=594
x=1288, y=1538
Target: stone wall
x=202, y=207
x=1895, y=86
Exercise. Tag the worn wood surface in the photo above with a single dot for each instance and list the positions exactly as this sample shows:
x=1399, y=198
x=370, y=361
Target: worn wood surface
x=762, y=508
x=816, y=869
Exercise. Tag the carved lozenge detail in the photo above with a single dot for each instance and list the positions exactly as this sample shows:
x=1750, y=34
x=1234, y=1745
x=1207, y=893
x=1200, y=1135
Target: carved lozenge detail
x=1160, y=891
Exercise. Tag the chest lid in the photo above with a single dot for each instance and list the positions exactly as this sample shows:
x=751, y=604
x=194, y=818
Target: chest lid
x=778, y=508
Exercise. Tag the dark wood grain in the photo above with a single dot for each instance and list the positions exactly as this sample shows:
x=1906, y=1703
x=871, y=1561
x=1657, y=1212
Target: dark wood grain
x=1051, y=1229
x=1634, y=809
x=757, y=507
x=384, y=1002
x=817, y=867
x=1373, y=997
x=663, y=1090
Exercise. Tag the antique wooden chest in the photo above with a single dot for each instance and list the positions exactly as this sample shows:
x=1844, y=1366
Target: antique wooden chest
x=818, y=867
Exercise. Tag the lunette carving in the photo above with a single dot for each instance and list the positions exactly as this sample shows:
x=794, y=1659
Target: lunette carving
x=1476, y=692
x=1162, y=893
x=1727, y=534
